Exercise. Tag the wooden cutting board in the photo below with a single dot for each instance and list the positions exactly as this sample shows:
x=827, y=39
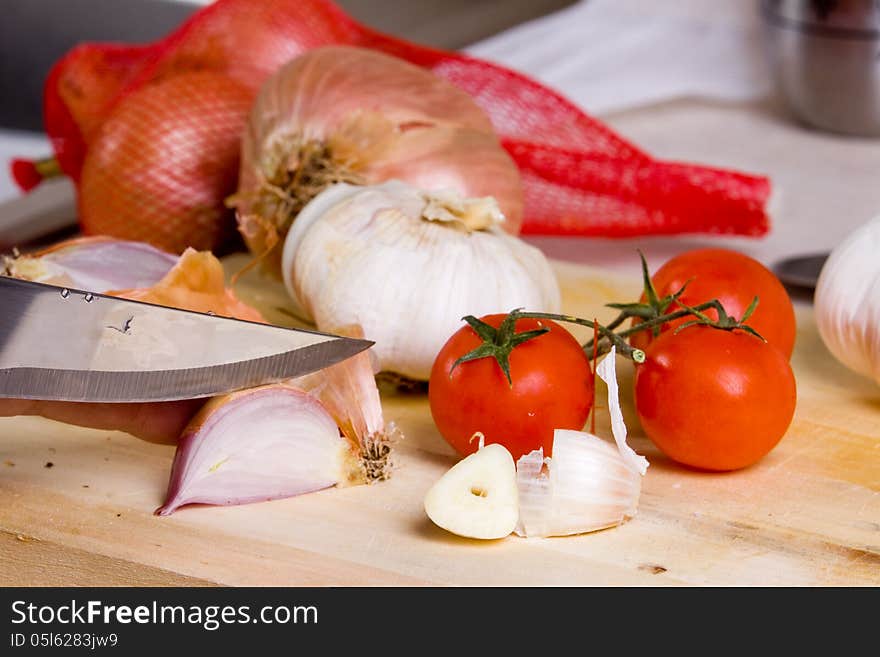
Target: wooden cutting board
x=807, y=514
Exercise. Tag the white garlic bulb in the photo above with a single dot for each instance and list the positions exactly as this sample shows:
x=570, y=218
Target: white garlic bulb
x=847, y=301
x=407, y=265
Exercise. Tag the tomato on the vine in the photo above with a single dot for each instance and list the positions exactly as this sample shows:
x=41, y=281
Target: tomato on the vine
x=714, y=399
x=733, y=278
x=550, y=387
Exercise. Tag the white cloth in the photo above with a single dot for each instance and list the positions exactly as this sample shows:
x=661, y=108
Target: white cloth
x=606, y=55
x=610, y=55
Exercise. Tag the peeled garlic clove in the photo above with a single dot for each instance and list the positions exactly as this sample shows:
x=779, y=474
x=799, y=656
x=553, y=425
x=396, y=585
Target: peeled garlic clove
x=847, y=301
x=589, y=484
x=407, y=265
x=477, y=497
x=260, y=444
x=96, y=264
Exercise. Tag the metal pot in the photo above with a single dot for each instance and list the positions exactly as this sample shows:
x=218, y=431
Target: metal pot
x=826, y=58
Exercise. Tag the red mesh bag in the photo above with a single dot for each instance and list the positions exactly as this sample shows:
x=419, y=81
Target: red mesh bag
x=580, y=178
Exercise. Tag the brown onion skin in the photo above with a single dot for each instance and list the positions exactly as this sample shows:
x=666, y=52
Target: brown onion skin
x=436, y=136
x=160, y=166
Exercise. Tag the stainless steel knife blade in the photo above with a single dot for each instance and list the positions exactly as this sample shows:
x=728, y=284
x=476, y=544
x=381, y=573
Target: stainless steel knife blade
x=73, y=345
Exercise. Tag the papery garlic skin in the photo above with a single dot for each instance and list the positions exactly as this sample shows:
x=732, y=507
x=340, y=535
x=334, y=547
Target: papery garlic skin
x=254, y=445
x=370, y=256
x=607, y=371
x=847, y=301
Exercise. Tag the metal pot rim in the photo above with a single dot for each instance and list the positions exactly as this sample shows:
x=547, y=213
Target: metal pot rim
x=816, y=29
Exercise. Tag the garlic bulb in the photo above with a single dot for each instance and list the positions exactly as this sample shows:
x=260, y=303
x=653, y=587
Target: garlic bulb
x=588, y=485
x=847, y=301
x=407, y=265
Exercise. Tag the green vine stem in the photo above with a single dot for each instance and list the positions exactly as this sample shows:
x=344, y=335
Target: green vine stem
x=609, y=337
x=498, y=343
x=656, y=322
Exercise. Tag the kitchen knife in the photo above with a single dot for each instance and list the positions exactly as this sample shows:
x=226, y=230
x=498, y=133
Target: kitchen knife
x=801, y=271
x=72, y=345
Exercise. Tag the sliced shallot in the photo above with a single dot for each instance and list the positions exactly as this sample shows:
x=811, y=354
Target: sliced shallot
x=96, y=264
x=260, y=444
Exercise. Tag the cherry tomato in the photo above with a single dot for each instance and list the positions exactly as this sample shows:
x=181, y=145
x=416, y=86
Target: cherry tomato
x=734, y=279
x=552, y=388
x=713, y=399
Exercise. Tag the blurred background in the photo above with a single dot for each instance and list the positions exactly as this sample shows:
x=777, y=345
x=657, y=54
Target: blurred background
x=35, y=33
x=789, y=89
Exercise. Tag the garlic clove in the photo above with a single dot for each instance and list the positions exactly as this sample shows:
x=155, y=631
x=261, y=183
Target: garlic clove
x=585, y=487
x=847, y=301
x=260, y=444
x=312, y=212
x=96, y=264
x=477, y=497
x=589, y=484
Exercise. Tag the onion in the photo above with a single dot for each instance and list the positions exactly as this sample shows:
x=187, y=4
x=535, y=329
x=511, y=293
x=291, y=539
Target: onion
x=284, y=439
x=197, y=283
x=193, y=281
x=254, y=445
x=343, y=114
x=321, y=430
x=96, y=264
x=157, y=170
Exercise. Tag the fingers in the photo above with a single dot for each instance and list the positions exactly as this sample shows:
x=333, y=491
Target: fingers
x=158, y=422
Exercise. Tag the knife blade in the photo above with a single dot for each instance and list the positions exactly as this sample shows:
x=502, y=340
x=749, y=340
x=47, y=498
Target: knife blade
x=73, y=345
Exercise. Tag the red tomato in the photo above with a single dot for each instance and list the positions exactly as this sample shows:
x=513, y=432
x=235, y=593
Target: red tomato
x=713, y=399
x=552, y=389
x=734, y=279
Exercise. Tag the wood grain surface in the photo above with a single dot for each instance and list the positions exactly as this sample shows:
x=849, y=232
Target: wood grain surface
x=807, y=514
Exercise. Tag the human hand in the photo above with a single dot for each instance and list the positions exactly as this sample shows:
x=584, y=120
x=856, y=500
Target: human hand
x=156, y=422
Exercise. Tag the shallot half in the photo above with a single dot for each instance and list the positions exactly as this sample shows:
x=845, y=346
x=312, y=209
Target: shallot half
x=322, y=430
x=254, y=445
x=96, y=264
